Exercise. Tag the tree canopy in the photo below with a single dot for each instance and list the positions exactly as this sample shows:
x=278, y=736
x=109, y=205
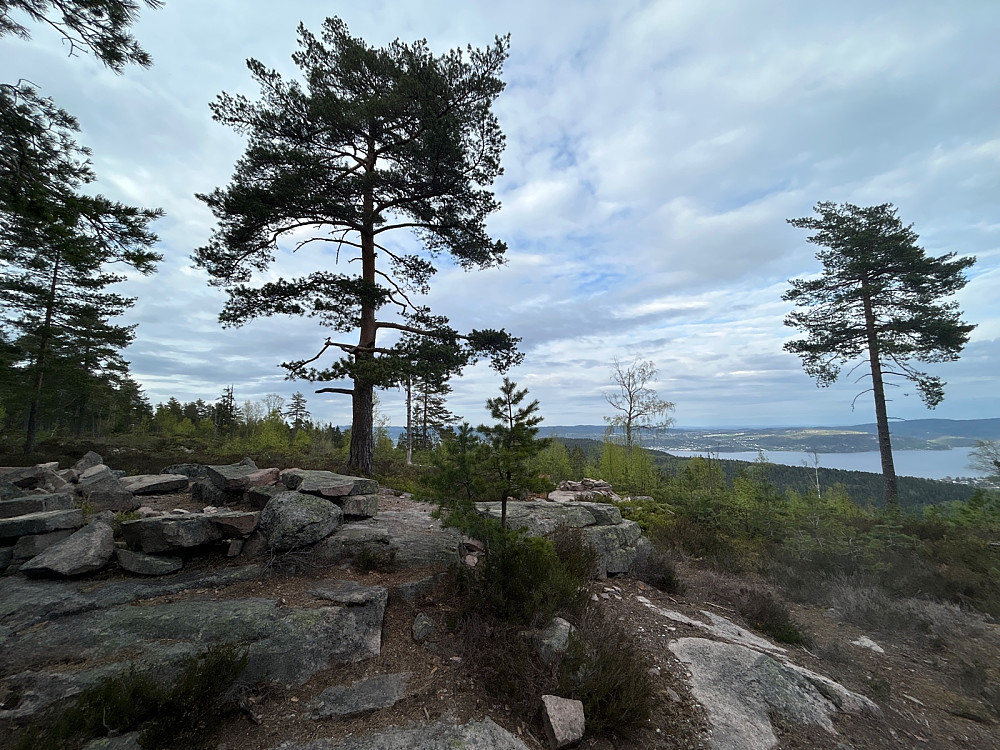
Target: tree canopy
x=100, y=26
x=639, y=408
x=373, y=140
x=881, y=301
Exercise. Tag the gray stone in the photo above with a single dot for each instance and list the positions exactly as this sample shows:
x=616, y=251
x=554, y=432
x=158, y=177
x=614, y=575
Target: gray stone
x=240, y=477
x=151, y=484
x=191, y=471
x=90, y=458
x=8, y=490
x=93, y=474
x=741, y=688
x=104, y=491
x=147, y=565
x=412, y=590
x=292, y=520
x=423, y=627
x=350, y=593
x=552, y=642
x=258, y=497
x=35, y=544
x=203, y=491
x=20, y=506
x=26, y=477
x=128, y=741
x=615, y=546
x=255, y=545
x=564, y=721
x=327, y=484
x=234, y=523
x=166, y=533
x=6, y=556
x=358, y=506
x=418, y=539
x=541, y=518
x=86, y=551
x=348, y=541
x=345, y=701
x=441, y=735
x=40, y=523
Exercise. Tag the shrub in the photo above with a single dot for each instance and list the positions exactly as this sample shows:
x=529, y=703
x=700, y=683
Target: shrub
x=369, y=559
x=655, y=566
x=167, y=717
x=603, y=668
x=767, y=613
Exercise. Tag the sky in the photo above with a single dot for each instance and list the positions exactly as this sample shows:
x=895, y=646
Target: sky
x=654, y=153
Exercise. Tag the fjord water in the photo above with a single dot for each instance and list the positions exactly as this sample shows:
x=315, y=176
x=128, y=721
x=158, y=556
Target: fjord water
x=926, y=464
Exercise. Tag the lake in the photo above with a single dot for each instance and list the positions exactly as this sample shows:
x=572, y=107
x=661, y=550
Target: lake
x=926, y=464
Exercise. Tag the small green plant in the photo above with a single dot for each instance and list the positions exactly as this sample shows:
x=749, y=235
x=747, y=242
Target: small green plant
x=767, y=613
x=603, y=668
x=173, y=716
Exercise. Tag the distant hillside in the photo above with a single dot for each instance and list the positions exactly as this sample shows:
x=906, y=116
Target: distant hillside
x=917, y=434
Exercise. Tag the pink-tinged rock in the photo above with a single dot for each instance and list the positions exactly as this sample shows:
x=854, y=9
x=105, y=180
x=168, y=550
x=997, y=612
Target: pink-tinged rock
x=234, y=523
x=152, y=484
x=564, y=721
x=240, y=477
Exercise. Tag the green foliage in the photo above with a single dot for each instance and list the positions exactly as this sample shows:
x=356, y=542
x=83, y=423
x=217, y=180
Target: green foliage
x=171, y=716
x=553, y=462
x=639, y=408
x=511, y=445
x=767, y=613
x=603, y=668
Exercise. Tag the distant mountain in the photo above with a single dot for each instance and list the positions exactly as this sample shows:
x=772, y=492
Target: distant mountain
x=936, y=429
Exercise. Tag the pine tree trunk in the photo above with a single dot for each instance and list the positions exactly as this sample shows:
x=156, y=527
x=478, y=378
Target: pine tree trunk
x=881, y=415
x=361, y=458
x=31, y=429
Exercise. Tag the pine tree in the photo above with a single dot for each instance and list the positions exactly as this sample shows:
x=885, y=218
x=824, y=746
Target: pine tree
x=376, y=140
x=297, y=411
x=55, y=245
x=879, y=303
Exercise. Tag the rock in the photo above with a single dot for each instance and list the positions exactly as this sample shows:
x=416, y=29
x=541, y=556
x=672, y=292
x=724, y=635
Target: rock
x=235, y=548
x=345, y=701
x=327, y=484
x=564, y=721
x=258, y=497
x=615, y=546
x=128, y=741
x=166, y=533
x=348, y=541
x=412, y=590
x=6, y=556
x=240, y=477
x=234, y=523
x=418, y=540
x=35, y=544
x=102, y=489
x=740, y=689
x=40, y=523
x=203, y=491
x=866, y=642
x=358, y=506
x=552, y=642
x=85, y=551
x=150, y=484
x=292, y=520
x=441, y=735
x=147, y=565
x=423, y=628
x=9, y=491
x=20, y=506
x=90, y=458
x=191, y=471
x=29, y=477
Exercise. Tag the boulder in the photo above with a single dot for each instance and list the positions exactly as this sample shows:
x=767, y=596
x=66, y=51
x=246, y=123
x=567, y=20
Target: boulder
x=564, y=721
x=741, y=689
x=240, y=477
x=423, y=627
x=35, y=544
x=552, y=642
x=345, y=701
x=155, y=484
x=86, y=551
x=191, y=471
x=327, y=484
x=148, y=565
x=167, y=533
x=102, y=489
x=350, y=539
x=258, y=497
x=40, y=523
x=233, y=523
x=9, y=491
x=291, y=520
x=20, y=506
x=203, y=491
x=89, y=459
x=615, y=546
x=358, y=506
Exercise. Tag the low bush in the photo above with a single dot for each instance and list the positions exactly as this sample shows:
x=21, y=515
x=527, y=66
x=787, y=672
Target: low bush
x=655, y=566
x=167, y=717
x=370, y=558
x=603, y=668
x=765, y=612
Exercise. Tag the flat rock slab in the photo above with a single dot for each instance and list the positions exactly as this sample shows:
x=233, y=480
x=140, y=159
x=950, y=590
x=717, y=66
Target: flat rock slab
x=541, y=518
x=286, y=644
x=154, y=484
x=327, y=484
x=35, y=544
x=741, y=688
x=40, y=523
x=166, y=533
x=86, y=551
x=21, y=506
x=148, y=565
x=344, y=701
x=240, y=477
x=418, y=540
x=442, y=735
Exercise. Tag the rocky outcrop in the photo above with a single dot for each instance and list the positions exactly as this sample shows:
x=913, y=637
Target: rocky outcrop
x=154, y=484
x=86, y=551
x=292, y=520
x=614, y=540
x=441, y=735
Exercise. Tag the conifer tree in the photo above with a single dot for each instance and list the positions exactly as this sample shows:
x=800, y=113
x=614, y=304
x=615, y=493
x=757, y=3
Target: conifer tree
x=880, y=302
x=374, y=140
